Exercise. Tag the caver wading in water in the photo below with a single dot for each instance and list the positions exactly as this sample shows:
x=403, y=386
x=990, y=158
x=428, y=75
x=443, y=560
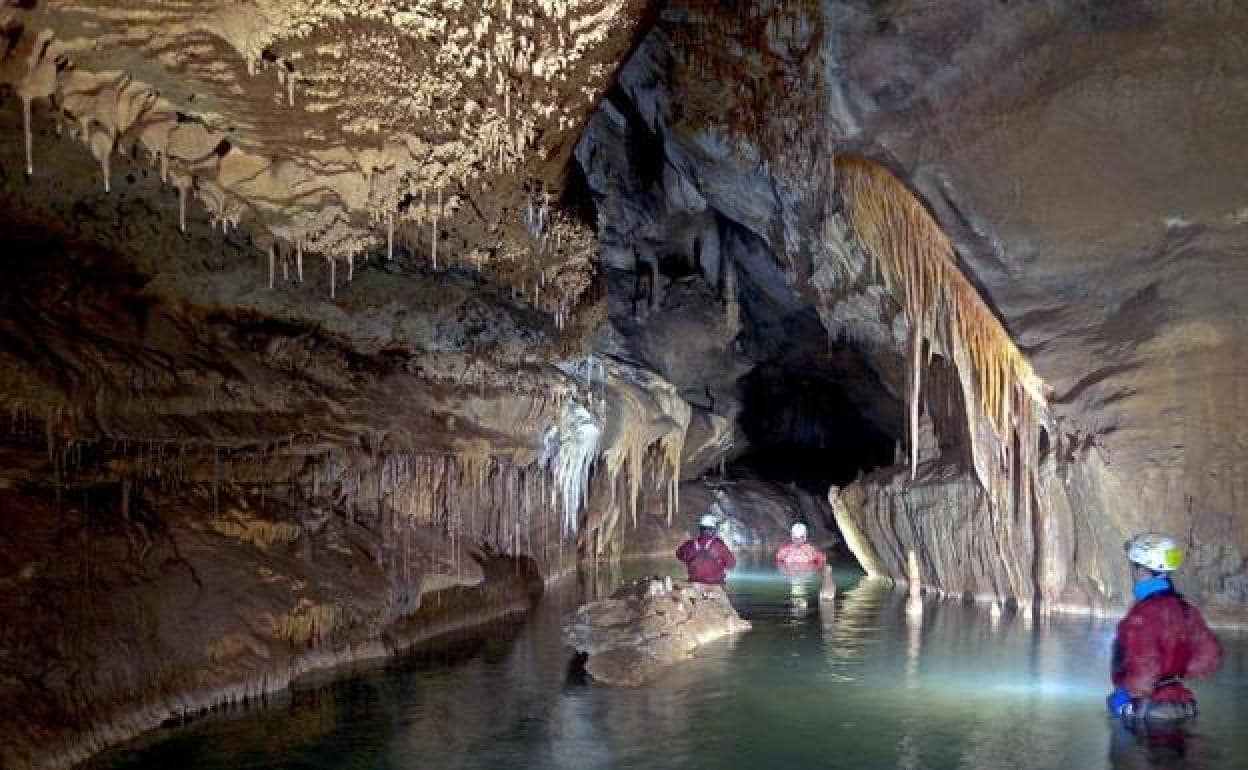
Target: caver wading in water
x=798, y=553
x=706, y=557
x=1162, y=640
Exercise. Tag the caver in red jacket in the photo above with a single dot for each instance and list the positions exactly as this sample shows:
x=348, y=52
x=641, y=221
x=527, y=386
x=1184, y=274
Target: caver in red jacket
x=800, y=555
x=1160, y=641
x=707, y=558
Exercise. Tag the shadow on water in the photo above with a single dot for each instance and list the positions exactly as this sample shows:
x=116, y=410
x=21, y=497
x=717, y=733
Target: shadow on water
x=865, y=682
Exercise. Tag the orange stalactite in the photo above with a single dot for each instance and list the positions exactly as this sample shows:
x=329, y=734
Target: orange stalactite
x=916, y=261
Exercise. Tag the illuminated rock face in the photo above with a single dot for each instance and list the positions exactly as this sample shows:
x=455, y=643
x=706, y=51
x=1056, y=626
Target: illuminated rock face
x=284, y=281
x=1104, y=235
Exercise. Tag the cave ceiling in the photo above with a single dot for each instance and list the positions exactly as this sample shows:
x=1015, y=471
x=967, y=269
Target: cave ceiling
x=334, y=132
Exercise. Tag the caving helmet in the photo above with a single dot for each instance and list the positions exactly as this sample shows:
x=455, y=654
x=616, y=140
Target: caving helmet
x=708, y=521
x=1155, y=551
x=798, y=531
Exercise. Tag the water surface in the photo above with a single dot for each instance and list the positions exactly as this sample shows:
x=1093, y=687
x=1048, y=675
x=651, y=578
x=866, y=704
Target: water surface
x=863, y=685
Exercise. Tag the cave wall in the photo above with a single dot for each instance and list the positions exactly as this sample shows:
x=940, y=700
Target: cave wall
x=193, y=410
x=295, y=345
x=1093, y=195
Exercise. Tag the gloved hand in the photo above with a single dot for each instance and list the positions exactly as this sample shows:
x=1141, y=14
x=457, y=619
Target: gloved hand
x=1118, y=700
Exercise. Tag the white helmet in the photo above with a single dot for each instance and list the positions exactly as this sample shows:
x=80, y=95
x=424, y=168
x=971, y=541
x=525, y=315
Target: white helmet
x=1154, y=551
x=708, y=521
x=798, y=531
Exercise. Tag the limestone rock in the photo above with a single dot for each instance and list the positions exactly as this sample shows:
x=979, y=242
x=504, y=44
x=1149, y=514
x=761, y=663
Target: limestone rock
x=647, y=625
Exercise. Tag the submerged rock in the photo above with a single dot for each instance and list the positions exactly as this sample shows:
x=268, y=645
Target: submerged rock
x=647, y=625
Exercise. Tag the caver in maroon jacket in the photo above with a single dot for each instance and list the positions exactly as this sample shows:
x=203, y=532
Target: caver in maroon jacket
x=1161, y=640
x=707, y=558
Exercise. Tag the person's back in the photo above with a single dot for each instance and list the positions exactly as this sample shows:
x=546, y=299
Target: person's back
x=1162, y=640
x=707, y=558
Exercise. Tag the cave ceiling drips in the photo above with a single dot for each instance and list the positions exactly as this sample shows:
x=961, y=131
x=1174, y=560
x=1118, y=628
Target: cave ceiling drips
x=336, y=129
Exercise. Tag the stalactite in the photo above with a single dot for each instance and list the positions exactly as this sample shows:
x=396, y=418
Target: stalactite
x=30, y=162
x=916, y=261
x=182, y=190
x=914, y=399
x=435, y=230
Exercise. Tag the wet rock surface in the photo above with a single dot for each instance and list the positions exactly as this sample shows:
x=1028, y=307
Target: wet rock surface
x=648, y=625
x=175, y=611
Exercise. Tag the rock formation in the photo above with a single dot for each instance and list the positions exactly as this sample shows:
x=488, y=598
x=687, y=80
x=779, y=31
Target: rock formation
x=1117, y=287
x=324, y=325
x=647, y=625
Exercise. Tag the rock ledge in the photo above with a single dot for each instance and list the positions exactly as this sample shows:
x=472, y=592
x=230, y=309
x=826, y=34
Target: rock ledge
x=649, y=624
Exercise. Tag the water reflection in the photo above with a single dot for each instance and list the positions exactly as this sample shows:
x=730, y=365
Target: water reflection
x=866, y=682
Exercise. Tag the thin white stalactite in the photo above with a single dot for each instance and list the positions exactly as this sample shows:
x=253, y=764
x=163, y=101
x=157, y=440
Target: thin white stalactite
x=30, y=163
x=435, y=229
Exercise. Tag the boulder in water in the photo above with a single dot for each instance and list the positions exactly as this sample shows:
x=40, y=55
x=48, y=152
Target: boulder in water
x=649, y=624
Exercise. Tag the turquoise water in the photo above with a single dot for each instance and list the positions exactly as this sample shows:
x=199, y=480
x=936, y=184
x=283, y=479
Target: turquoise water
x=861, y=686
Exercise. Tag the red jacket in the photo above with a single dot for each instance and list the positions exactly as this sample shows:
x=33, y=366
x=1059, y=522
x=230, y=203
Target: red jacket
x=707, y=559
x=1162, y=639
x=805, y=555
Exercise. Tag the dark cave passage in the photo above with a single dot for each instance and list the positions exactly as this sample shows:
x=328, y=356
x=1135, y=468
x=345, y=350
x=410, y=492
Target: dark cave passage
x=804, y=429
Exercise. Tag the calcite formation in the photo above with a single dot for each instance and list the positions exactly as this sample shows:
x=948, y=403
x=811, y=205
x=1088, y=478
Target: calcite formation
x=648, y=625
x=1113, y=282
x=339, y=129
x=336, y=301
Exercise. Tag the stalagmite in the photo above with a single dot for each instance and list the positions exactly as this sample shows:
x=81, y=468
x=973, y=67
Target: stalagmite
x=913, y=575
x=914, y=598
x=389, y=235
x=299, y=259
x=827, y=588
x=333, y=280
x=272, y=249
